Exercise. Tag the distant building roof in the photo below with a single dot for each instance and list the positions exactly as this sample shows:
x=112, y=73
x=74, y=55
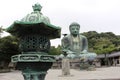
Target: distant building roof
x=114, y=54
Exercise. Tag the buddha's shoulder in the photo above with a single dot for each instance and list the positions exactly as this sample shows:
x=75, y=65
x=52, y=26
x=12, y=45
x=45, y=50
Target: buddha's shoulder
x=69, y=36
x=82, y=36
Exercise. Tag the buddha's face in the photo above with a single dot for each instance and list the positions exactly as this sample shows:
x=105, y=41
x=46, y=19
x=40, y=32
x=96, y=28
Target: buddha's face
x=74, y=30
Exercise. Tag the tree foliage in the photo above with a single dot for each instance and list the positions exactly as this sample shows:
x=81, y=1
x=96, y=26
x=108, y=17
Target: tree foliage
x=55, y=51
x=102, y=43
x=8, y=47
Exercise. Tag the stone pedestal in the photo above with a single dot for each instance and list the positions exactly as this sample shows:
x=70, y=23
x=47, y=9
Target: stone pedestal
x=65, y=67
x=33, y=66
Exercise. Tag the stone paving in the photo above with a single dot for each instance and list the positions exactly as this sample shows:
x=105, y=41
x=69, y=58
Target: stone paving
x=108, y=73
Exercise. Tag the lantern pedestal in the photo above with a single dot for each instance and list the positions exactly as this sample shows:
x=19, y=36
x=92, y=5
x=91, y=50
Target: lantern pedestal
x=33, y=66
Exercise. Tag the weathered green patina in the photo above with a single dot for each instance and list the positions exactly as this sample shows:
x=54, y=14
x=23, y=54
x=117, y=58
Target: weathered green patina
x=34, y=32
x=75, y=45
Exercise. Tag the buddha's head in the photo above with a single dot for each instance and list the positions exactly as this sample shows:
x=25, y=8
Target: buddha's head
x=74, y=28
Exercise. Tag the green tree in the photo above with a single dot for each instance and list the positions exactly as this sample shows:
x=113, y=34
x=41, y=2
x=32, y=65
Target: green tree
x=55, y=51
x=8, y=47
x=103, y=46
x=98, y=41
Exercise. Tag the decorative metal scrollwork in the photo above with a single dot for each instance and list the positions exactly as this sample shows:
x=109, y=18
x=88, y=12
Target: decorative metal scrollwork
x=34, y=43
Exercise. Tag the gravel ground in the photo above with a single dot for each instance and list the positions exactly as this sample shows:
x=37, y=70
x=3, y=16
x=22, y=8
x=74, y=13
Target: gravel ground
x=107, y=73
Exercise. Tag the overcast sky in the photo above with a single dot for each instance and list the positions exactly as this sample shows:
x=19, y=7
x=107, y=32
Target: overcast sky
x=92, y=15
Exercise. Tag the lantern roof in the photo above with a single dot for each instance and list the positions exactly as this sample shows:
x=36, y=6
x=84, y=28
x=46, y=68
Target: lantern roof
x=34, y=23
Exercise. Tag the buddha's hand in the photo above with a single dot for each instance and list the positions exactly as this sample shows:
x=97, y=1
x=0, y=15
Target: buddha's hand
x=84, y=52
x=70, y=52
